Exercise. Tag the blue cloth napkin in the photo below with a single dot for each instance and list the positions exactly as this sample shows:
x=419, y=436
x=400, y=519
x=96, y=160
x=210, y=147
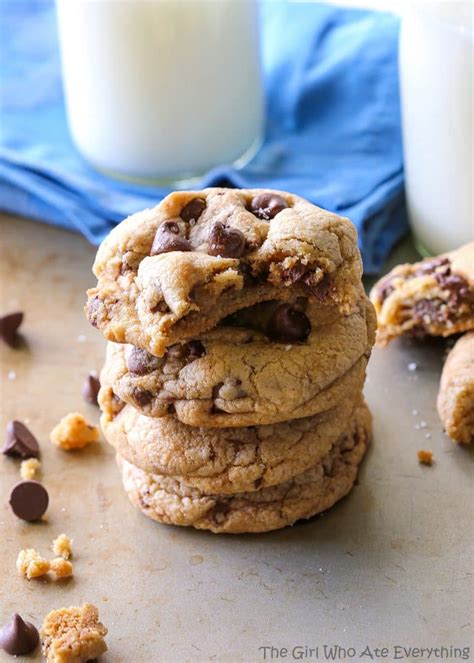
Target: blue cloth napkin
x=333, y=130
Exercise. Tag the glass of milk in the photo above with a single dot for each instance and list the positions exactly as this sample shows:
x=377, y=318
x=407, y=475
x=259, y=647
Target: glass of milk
x=436, y=79
x=162, y=90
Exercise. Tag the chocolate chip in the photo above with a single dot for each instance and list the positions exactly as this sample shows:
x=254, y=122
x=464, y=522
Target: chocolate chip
x=288, y=325
x=186, y=351
x=320, y=290
x=20, y=441
x=161, y=307
x=218, y=512
x=257, y=483
x=29, y=500
x=9, y=325
x=196, y=350
x=142, y=397
x=226, y=241
x=18, y=637
x=267, y=205
x=90, y=388
x=141, y=362
x=168, y=239
x=193, y=210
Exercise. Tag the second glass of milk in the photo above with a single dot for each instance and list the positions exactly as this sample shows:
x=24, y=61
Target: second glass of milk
x=162, y=90
x=437, y=87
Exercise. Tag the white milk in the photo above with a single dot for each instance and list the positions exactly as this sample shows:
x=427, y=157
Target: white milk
x=436, y=76
x=162, y=89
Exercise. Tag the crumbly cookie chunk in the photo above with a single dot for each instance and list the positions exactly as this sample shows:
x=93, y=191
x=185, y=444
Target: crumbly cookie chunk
x=29, y=468
x=61, y=567
x=432, y=297
x=168, y=274
x=224, y=460
x=237, y=376
x=73, y=635
x=62, y=546
x=73, y=432
x=425, y=457
x=174, y=502
x=456, y=391
x=30, y=564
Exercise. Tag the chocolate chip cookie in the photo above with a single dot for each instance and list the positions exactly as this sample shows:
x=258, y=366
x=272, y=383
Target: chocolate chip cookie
x=168, y=274
x=224, y=460
x=432, y=297
x=174, y=502
x=456, y=391
x=239, y=375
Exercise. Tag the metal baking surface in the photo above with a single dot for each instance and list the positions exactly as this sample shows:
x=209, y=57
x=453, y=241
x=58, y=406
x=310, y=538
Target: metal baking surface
x=388, y=566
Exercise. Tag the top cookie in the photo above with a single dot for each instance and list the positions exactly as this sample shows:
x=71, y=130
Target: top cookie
x=168, y=274
x=432, y=297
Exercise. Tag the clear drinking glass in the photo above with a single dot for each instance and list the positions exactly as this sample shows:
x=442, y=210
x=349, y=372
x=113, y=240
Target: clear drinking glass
x=162, y=90
x=436, y=79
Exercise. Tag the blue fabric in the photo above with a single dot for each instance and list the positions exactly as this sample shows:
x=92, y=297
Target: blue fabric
x=333, y=131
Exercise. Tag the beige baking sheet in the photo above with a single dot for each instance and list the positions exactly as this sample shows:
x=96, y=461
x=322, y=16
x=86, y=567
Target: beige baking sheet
x=390, y=565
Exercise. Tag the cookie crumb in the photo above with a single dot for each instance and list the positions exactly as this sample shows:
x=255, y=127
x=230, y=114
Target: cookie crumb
x=61, y=567
x=425, y=457
x=73, y=635
x=11, y=375
x=30, y=564
x=73, y=432
x=62, y=546
x=29, y=468
x=412, y=366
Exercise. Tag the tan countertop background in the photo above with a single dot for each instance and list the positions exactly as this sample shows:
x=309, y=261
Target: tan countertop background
x=389, y=565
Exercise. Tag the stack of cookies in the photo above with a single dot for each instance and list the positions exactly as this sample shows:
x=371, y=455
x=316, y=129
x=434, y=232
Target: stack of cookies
x=239, y=334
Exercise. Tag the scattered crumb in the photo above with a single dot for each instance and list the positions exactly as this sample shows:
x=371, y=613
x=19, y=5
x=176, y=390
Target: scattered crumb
x=423, y=424
x=414, y=412
x=29, y=468
x=428, y=436
x=30, y=564
x=73, y=635
x=73, y=432
x=425, y=457
x=412, y=366
x=81, y=338
x=61, y=567
x=11, y=375
x=62, y=546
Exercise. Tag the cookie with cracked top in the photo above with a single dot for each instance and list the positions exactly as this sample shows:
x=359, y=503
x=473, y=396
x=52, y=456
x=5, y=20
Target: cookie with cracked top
x=237, y=375
x=456, y=391
x=173, y=502
x=433, y=297
x=168, y=274
x=223, y=460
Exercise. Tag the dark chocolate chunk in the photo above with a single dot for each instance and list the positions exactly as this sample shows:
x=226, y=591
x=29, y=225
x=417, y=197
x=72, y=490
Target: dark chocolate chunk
x=186, y=351
x=90, y=388
x=18, y=637
x=141, y=362
x=288, y=325
x=29, y=500
x=193, y=210
x=430, y=266
x=218, y=513
x=196, y=350
x=9, y=325
x=267, y=205
x=19, y=441
x=168, y=239
x=226, y=242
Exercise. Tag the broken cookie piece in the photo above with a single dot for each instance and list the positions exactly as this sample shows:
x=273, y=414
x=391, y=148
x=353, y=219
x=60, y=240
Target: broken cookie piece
x=425, y=457
x=456, y=391
x=73, y=635
x=62, y=546
x=61, y=568
x=433, y=297
x=31, y=565
x=73, y=432
x=29, y=468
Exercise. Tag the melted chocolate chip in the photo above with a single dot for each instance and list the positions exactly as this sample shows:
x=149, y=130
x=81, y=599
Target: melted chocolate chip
x=457, y=287
x=186, y=351
x=141, y=362
x=226, y=242
x=19, y=441
x=18, y=637
x=288, y=325
x=193, y=210
x=430, y=266
x=9, y=325
x=90, y=389
x=168, y=239
x=29, y=500
x=142, y=397
x=267, y=205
